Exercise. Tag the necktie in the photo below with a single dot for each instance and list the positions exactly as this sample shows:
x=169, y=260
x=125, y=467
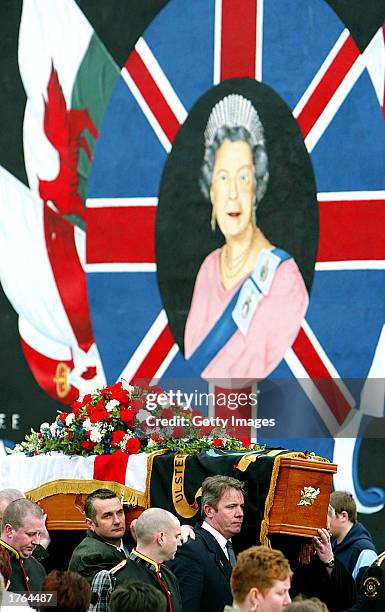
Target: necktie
x=230, y=552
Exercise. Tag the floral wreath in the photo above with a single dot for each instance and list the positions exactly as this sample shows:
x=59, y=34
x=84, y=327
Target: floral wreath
x=116, y=418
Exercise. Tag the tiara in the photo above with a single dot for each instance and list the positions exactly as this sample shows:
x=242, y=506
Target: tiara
x=234, y=111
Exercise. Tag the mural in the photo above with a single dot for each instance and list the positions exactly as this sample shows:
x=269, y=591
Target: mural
x=104, y=228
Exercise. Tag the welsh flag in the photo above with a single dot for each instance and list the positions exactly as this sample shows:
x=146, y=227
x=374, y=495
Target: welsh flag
x=68, y=77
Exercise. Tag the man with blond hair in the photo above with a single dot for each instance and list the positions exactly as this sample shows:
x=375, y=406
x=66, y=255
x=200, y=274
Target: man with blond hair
x=23, y=523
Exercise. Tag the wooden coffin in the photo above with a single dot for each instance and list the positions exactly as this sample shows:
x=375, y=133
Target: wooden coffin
x=292, y=511
x=301, y=497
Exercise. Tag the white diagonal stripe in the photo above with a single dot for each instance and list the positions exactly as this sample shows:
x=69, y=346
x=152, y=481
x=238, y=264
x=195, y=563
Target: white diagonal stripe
x=327, y=363
x=147, y=111
x=144, y=346
x=161, y=80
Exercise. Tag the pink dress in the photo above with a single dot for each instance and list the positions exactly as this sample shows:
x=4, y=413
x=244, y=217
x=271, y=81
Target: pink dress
x=272, y=331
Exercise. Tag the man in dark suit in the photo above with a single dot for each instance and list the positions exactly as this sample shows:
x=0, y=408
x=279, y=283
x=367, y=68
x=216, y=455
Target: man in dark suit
x=203, y=566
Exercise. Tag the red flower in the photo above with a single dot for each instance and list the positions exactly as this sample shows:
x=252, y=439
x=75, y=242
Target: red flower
x=85, y=399
x=205, y=430
x=245, y=441
x=76, y=407
x=117, y=436
x=178, y=432
x=218, y=442
x=132, y=445
x=155, y=437
x=156, y=389
x=95, y=416
x=62, y=416
x=116, y=387
x=127, y=415
x=70, y=435
x=167, y=413
x=137, y=405
x=120, y=394
x=88, y=445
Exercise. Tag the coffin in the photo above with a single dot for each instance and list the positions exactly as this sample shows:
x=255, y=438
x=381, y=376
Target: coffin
x=296, y=502
x=301, y=497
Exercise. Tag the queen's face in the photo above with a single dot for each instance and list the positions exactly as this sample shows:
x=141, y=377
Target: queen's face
x=233, y=188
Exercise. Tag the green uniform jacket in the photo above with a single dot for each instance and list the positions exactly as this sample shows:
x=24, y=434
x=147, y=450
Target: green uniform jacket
x=94, y=554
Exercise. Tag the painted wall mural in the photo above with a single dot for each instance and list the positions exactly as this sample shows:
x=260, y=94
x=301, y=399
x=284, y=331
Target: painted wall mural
x=104, y=227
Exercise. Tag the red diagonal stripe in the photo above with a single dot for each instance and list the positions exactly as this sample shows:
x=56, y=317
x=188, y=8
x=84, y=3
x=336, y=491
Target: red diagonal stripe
x=155, y=357
x=320, y=376
x=328, y=85
x=133, y=243
x=69, y=275
x=351, y=230
x=152, y=95
x=238, y=38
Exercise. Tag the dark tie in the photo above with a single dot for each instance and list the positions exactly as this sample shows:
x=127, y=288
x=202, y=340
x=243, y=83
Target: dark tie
x=230, y=552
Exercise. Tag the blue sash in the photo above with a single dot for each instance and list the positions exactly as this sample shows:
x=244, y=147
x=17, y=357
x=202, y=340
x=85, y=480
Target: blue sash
x=226, y=326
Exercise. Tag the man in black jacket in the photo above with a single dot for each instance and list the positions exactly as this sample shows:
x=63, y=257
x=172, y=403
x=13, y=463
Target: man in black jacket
x=158, y=536
x=203, y=566
x=23, y=522
x=103, y=547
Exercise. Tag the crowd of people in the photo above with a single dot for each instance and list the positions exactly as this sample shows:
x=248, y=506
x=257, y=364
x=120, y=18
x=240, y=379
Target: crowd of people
x=163, y=566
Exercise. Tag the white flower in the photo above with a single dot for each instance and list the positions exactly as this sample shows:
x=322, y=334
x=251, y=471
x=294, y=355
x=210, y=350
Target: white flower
x=87, y=424
x=95, y=435
x=53, y=428
x=112, y=404
x=44, y=427
x=69, y=418
x=142, y=415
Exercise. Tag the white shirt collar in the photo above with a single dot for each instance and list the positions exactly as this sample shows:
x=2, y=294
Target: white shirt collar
x=222, y=541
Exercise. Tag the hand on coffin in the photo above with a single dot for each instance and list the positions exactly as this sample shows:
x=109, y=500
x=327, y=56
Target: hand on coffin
x=323, y=548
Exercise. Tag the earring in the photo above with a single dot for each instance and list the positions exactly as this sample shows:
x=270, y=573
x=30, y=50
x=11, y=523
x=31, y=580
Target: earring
x=213, y=221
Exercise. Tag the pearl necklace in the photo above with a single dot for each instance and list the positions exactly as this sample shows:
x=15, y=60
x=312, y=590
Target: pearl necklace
x=232, y=267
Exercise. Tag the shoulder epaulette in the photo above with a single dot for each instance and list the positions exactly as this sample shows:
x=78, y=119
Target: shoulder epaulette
x=119, y=566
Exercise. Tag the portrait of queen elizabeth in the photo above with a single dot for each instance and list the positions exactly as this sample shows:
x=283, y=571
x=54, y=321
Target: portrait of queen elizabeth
x=249, y=297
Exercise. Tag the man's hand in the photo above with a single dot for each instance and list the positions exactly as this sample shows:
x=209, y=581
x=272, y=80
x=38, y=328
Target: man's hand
x=322, y=546
x=187, y=532
x=45, y=538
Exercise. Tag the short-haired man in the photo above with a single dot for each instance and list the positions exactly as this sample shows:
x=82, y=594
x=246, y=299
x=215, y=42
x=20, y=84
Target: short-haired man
x=9, y=495
x=352, y=544
x=158, y=535
x=203, y=566
x=23, y=522
x=102, y=548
